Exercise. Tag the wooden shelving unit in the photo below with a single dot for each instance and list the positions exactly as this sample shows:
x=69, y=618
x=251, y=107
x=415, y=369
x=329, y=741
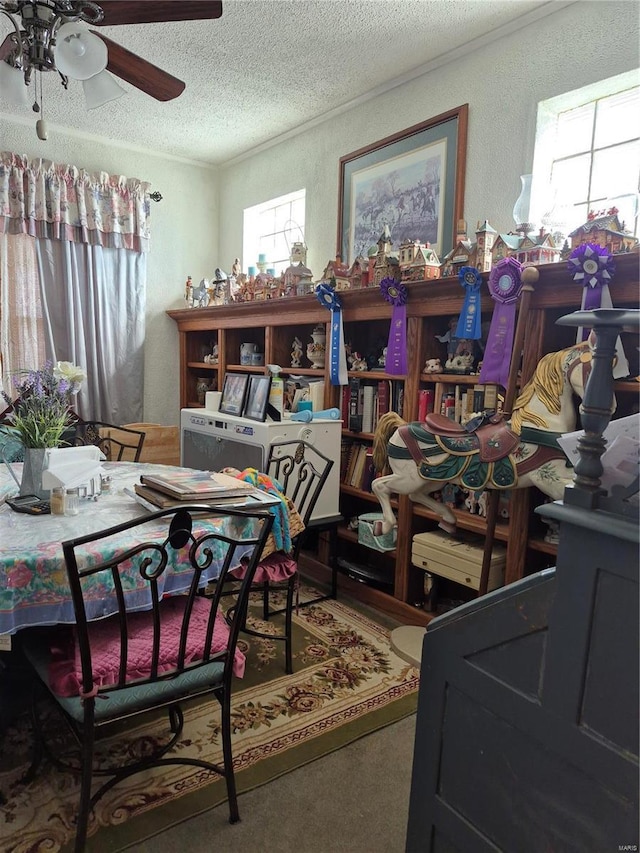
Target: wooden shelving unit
x=274, y=324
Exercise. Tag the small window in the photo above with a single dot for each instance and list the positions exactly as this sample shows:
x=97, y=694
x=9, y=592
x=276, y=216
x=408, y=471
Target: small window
x=587, y=155
x=271, y=228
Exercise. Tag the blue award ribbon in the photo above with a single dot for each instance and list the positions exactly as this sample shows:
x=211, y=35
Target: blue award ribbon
x=469, y=322
x=396, y=295
x=337, y=356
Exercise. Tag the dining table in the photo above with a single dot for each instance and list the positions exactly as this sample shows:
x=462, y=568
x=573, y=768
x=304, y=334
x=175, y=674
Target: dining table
x=34, y=588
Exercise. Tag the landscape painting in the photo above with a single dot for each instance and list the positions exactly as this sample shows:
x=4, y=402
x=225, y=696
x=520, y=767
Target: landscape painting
x=412, y=182
x=403, y=193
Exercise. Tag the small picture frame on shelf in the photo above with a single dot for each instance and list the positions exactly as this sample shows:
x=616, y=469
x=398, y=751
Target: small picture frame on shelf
x=234, y=391
x=257, y=399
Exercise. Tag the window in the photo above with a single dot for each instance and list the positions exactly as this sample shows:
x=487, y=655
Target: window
x=587, y=155
x=271, y=228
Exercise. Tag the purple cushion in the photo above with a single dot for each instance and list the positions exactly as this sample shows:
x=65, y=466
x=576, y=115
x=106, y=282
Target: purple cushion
x=276, y=567
x=65, y=671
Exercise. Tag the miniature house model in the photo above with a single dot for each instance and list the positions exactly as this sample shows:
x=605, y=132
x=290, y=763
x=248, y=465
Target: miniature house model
x=418, y=261
x=606, y=230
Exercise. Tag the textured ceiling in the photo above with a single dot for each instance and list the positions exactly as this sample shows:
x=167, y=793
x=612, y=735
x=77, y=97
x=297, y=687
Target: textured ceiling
x=267, y=67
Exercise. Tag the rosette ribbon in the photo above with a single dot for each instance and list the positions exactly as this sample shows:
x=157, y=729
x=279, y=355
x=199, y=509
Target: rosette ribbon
x=395, y=293
x=469, y=322
x=337, y=356
x=505, y=284
x=593, y=267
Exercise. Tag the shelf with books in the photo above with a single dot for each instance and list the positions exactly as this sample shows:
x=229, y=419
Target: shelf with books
x=363, y=401
x=430, y=307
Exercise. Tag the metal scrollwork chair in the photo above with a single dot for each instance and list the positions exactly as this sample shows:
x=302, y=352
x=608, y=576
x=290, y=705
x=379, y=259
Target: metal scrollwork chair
x=118, y=443
x=301, y=470
x=137, y=660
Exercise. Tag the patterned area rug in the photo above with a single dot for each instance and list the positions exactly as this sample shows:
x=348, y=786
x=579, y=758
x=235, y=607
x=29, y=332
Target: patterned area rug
x=347, y=682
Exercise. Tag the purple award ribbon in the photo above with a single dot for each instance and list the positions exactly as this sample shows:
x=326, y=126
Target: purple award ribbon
x=395, y=294
x=469, y=322
x=337, y=356
x=593, y=267
x=504, y=286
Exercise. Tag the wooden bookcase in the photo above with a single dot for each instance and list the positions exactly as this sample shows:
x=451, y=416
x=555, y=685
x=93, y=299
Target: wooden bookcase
x=398, y=586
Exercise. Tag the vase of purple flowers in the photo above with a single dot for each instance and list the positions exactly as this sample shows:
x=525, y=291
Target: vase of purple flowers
x=39, y=414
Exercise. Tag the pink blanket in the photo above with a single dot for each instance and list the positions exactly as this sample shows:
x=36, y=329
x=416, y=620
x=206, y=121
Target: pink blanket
x=65, y=672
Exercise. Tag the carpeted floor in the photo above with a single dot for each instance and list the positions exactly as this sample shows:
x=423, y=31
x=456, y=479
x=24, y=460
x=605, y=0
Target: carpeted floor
x=347, y=683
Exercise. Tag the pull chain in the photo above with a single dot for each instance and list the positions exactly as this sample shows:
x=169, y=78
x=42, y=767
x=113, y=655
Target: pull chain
x=41, y=126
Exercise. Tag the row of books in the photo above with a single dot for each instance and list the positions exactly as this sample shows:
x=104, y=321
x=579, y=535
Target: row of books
x=459, y=402
x=364, y=402
x=356, y=465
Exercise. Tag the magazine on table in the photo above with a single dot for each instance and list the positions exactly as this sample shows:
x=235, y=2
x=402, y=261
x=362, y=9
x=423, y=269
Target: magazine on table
x=197, y=485
x=152, y=499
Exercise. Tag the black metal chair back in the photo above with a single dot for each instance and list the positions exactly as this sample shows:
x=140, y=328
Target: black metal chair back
x=302, y=471
x=185, y=627
x=119, y=444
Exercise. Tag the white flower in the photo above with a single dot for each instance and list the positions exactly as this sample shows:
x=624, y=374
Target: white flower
x=74, y=375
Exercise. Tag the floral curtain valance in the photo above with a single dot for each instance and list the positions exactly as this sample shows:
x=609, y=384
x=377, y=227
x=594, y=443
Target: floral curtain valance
x=46, y=199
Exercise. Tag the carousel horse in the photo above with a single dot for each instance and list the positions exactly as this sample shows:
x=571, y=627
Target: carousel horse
x=492, y=454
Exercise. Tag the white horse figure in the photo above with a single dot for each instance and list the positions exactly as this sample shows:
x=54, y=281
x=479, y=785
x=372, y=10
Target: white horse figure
x=424, y=457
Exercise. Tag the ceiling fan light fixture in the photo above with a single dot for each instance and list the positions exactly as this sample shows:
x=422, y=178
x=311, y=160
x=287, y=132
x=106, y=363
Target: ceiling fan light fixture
x=12, y=86
x=78, y=53
x=100, y=89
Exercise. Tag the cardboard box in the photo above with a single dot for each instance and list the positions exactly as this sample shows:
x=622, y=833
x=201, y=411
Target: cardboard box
x=458, y=559
x=161, y=443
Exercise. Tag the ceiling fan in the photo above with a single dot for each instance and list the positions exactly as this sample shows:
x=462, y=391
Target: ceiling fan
x=51, y=35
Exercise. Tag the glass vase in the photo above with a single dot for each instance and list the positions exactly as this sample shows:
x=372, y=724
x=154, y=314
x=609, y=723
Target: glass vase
x=31, y=483
x=521, y=209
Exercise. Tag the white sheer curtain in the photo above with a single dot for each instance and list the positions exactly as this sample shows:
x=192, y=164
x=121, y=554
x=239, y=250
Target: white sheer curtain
x=93, y=302
x=21, y=327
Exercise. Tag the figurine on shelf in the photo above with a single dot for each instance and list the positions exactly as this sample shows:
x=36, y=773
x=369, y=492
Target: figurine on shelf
x=236, y=269
x=382, y=359
x=188, y=292
x=432, y=365
x=317, y=347
x=296, y=353
x=213, y=358
x=201, y=294
x=357, y=362
x=460, y=351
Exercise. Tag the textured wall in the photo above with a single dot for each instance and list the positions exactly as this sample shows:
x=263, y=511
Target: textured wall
x=502, y=83
x=184, y=240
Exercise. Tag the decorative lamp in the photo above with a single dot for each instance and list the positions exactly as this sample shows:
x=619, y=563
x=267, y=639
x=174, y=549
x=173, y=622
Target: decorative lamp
x=12, y=86
x=79, y=54
x=100, y=89
x=521, y=209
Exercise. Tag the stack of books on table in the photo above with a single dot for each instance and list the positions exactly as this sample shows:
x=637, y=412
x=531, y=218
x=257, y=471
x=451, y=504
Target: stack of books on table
x=200, y=487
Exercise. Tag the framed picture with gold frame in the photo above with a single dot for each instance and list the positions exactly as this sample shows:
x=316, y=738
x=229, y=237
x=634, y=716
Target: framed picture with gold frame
x=412, y=182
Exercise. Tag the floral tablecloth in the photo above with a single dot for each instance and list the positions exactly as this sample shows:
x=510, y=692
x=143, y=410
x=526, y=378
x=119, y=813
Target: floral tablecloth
x=34, y=588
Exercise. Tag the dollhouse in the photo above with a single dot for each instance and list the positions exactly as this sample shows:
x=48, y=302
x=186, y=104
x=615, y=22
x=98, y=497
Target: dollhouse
x=468, y=253
x=418, y=261
x=386, y=262
x=338, y=271
x=528, y=249
x=606, y=230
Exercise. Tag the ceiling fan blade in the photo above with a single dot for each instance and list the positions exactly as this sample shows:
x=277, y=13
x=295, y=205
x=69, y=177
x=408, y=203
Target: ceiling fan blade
x=140, y=73
x=157, y=11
